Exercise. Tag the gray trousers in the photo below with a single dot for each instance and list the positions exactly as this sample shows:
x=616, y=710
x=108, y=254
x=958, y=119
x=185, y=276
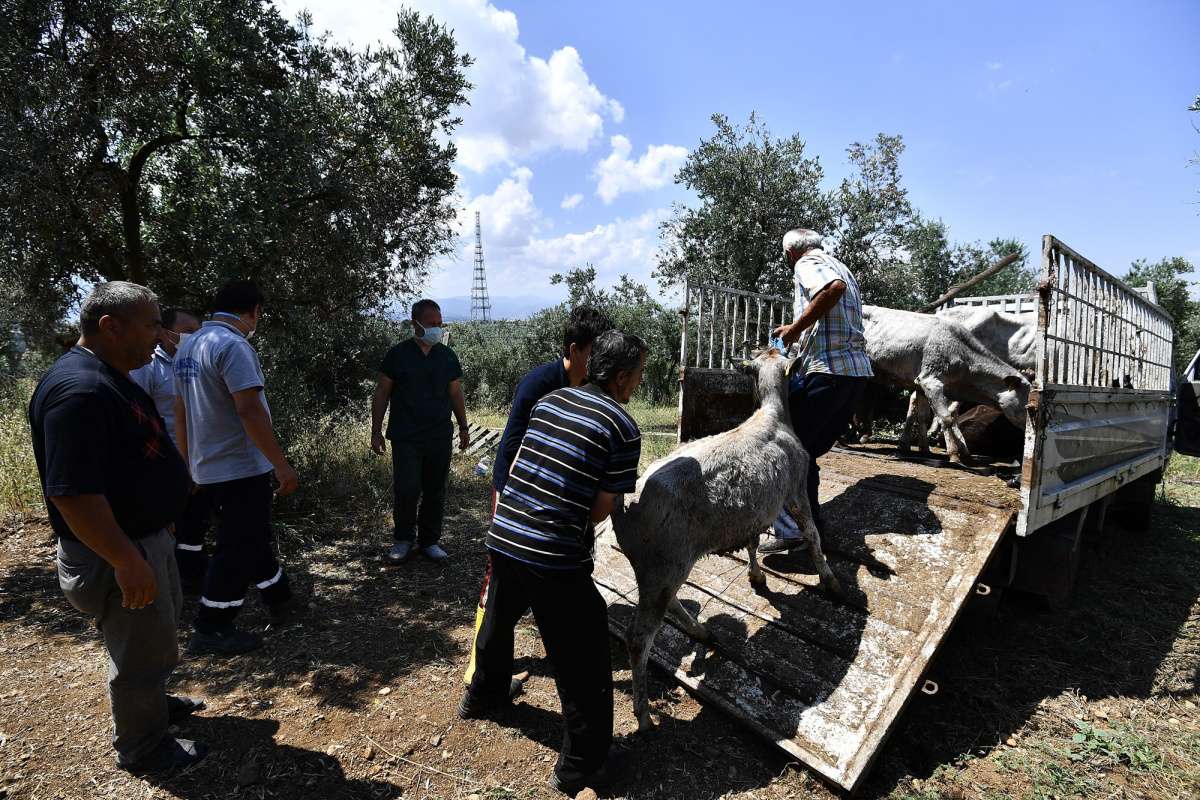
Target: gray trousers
x=142, y=644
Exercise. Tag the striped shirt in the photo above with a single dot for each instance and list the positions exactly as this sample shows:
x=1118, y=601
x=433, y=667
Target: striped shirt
x=579, y=441
x=835, y=343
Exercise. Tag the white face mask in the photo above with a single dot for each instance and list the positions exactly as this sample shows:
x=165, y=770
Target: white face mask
x=431, y=336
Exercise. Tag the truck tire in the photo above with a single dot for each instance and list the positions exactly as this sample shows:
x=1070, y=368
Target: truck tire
x=1133, y=504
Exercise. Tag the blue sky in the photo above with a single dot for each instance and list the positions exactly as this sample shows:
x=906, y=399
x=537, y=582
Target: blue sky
x=1020, y=118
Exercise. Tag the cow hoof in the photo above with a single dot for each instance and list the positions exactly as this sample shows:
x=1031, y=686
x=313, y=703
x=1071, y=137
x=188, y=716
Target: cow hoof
x=645, y=724
x=833, y=586
x=758, y=580
x=864, y=439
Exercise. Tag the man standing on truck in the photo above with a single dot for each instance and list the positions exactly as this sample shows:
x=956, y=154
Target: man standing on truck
x=834, y=363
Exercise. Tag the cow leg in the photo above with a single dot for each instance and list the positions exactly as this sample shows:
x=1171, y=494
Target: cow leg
x=690, y=624
x=917, y=419
x=639, y=638
x=801, y=512
x=758, y=578
x=935, y=394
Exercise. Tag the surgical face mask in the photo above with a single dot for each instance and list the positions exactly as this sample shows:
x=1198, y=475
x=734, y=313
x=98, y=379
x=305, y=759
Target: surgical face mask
x=431, y=336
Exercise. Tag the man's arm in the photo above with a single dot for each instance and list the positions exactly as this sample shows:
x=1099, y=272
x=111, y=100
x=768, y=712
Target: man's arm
x=459, y=404
x=379, y=404
x=91, y=519
x=257, y=423
x=602, y=506
x=825, y=299
x=181, y=432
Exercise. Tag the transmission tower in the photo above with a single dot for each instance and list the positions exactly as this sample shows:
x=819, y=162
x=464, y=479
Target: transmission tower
x=481, y=306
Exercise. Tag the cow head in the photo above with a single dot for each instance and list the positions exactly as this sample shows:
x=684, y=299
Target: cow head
x=1014, y=398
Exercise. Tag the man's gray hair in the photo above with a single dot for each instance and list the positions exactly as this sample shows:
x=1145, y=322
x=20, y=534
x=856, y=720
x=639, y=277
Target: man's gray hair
x=614, y=351
x=801, y=240
x=114, y=299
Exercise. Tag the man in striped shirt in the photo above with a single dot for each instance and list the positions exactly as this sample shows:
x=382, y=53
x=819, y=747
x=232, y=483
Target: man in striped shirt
x=579, y=454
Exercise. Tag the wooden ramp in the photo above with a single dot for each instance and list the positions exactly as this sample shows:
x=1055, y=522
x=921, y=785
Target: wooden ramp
x=826, y=679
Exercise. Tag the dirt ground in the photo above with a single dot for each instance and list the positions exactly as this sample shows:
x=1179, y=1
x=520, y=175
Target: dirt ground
x=1097, y=699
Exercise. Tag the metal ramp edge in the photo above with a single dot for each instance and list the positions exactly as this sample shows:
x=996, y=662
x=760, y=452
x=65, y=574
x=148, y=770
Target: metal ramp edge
x=826, y=679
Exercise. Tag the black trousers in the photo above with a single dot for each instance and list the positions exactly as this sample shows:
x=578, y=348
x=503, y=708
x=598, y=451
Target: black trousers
x=189, y=539
x=821, y=411
x=420, y=472
x=243, y=554
x=572, y=618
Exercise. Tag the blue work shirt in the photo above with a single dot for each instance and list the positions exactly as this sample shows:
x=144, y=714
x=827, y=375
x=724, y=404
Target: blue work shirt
x=537, y=383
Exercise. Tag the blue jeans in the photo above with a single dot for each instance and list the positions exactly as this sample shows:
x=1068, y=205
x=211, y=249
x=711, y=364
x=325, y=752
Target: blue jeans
x=821, y=406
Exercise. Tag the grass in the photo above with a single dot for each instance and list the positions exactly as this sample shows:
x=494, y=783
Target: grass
x=20, y=488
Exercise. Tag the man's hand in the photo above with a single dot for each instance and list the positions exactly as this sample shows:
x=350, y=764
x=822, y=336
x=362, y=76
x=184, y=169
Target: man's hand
x=288, y=479
x=378, y=444
x=788, y=333
x=464, y=438
x=136, y=579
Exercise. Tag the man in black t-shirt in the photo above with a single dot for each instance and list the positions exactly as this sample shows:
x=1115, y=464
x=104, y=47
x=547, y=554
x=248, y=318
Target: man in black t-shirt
x=113, y=484
x=420, y=379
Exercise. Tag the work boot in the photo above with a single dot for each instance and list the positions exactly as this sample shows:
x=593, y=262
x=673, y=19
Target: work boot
x=399, y=553
x=170, y=754
x=435, y=553
x=180, y=707
x=228, y=641
x=471, y=707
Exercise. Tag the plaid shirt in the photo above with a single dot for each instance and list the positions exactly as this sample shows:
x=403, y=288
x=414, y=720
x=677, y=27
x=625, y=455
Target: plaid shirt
x=835, y=343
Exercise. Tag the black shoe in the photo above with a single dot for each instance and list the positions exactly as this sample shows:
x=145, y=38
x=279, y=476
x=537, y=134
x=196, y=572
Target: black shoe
x=229, y=641
x=180, y=707
x=170, y=754
x=287, y=611
x=573, y=788
x=470, y=707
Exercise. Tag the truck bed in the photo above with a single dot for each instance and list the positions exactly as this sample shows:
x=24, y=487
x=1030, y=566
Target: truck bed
x=825, y=679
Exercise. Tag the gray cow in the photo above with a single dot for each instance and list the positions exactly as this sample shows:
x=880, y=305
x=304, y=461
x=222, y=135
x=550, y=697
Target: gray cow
x=945, y=361
x=713, y=495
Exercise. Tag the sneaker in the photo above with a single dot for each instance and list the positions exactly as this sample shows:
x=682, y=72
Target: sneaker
x=170, y=754
x=180, y=707
x=400, y=552
x=229, y=641
x=471, y=707
x=435, y=553
x=778, y=545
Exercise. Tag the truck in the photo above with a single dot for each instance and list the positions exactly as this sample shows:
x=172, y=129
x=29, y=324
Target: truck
x=825, y=679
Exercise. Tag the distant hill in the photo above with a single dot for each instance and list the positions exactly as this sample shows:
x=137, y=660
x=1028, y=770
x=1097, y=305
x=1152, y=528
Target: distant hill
x=458, y=309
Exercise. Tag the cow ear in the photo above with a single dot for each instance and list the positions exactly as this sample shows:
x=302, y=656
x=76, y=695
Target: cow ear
x=1014, y=382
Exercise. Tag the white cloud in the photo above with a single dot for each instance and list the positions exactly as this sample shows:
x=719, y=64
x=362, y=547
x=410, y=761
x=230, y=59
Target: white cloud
x=521, y=255
x=993, y=65
x=571, y=201
x=521, y=104
x=618, y=174
x=508, y=216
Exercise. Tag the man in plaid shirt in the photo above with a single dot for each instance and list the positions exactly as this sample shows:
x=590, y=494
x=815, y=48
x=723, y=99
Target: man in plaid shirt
x=834, y=357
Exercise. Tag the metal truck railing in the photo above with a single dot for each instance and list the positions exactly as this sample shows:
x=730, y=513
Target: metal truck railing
x=1005, y=303
x=717, y=321
x=1100, y=411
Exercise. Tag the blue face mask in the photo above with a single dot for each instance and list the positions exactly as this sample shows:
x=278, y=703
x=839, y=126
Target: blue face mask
x=431, y=336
